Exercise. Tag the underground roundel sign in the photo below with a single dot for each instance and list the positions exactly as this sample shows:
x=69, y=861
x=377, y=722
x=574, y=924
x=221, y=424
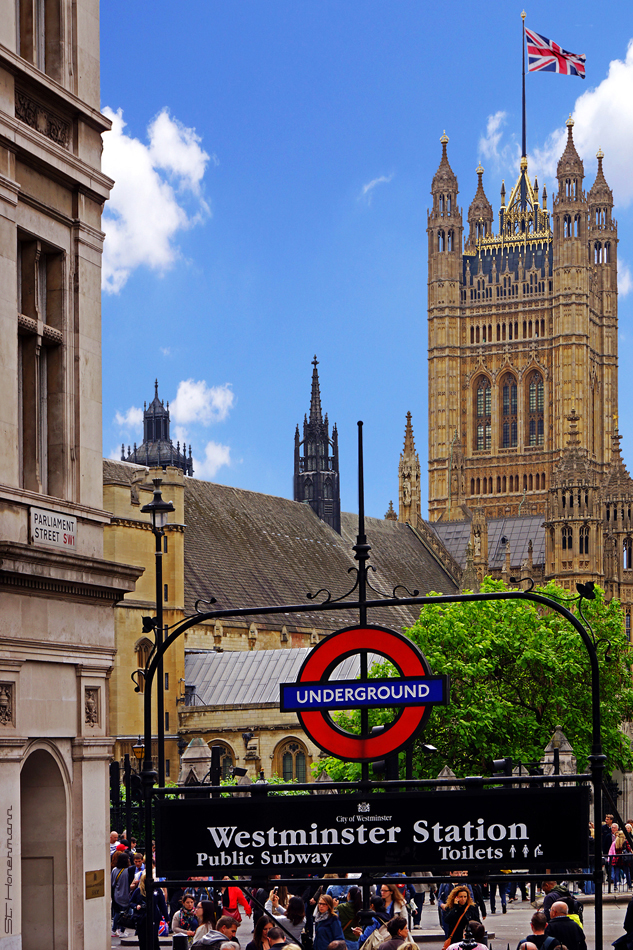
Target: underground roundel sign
x=314, y=696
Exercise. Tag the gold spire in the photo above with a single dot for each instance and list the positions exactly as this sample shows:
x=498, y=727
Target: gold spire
x=570, y=122
x=444, y=138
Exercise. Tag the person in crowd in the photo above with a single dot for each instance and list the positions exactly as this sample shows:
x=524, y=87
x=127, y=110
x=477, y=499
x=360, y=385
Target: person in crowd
x=206, y=936
x=337, y=945
x=625, y=942
x=277, y=938
x=618, y=850
x=420, y=889
x=398, y=933
x=348, y=912
x=567, y=931
x=114, y=837
x=539, y=938
x=379, y=917
x=185, y=920
x=559, y=892
x=232, y=899
x=327, y=926
x=138, y=863
x=478, y=933
x=395, y=904
x=337, y=891
x=460, y=909
x=260, y=934
x=120, y=884
x=138, y=901
x=293, y=921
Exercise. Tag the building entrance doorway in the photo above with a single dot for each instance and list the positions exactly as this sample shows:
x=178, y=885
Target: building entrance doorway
x=44, y=854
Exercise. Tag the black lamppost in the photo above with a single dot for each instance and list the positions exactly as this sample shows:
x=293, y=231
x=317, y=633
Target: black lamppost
x=159, y=510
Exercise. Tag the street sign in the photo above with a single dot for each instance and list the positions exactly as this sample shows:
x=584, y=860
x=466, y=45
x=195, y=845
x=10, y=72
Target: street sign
x=443, y=831
x=314, y=694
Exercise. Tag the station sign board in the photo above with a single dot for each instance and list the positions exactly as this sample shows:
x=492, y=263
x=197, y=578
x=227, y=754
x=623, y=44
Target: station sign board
x=440, y=831
x=314, y=694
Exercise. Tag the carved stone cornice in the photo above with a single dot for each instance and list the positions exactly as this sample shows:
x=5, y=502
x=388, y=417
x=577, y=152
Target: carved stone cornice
x=46, y=572
x=42, y=119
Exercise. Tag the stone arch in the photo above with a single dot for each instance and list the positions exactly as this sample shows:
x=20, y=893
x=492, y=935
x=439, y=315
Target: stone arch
x=44, y=851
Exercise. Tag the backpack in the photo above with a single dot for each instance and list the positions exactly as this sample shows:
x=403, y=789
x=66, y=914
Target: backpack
x=573, y=906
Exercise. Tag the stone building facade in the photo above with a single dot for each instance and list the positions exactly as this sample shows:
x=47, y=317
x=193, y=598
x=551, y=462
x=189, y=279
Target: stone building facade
x=56, y=588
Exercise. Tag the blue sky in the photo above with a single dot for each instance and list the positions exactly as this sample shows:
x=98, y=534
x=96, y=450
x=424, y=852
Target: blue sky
x=273, y=165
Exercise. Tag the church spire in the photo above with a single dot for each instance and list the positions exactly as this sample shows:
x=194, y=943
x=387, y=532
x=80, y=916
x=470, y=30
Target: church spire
x=316, y=475
x=315, y=398
x=409, y=497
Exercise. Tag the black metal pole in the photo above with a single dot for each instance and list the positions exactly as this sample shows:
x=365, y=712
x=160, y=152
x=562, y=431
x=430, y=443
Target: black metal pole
x=160, y=700
x=127, y=772
x=523, y=130
x=148, y=778
x=362, y=554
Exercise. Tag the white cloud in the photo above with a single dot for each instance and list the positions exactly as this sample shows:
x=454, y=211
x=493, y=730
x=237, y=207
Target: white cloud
x=366, y=190
x=625, y=279
x=146, y=211
x=176, y=149
x=130, y=419
x=215, y=456
x=196, y=402
x=489, y=143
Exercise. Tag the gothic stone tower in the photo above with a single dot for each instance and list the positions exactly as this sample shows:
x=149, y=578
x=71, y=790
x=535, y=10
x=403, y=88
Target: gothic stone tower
x=157, y=449
x=316, y=478
x=522, y=329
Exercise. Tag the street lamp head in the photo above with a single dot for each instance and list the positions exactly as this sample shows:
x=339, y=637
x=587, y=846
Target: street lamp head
x=138, y=748
x=157, y=508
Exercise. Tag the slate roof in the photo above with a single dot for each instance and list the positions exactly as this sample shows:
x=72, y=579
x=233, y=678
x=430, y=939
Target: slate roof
x=248, y=549
x=250, y=677
x=519, y=532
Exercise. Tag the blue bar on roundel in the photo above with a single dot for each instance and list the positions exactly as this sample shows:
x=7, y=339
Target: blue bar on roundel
x=352, y=694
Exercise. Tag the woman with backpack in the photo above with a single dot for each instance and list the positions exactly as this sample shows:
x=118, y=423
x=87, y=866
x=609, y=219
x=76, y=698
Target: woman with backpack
x=120, y=883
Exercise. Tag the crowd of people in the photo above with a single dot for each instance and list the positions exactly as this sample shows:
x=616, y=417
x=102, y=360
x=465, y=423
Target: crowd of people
x=331, y=916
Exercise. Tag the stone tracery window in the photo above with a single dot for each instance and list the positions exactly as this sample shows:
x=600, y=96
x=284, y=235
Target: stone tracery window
x=536, y=410
x=292, y=761
x=483, y=413
x=509, y=411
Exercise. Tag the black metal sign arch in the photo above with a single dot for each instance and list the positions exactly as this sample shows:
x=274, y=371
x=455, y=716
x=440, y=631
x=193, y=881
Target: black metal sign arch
x=362, y=604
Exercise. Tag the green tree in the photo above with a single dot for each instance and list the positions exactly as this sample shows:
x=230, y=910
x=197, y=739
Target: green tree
x=517, y=670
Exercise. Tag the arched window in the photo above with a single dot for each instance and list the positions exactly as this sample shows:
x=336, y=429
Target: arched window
x=441, y=204
x=583, y=545
x=142, y=651
x=627, y=564
x=483, y=424
x=449, y=245
x=309, y=490
x=292, y=761
x=327, y=488
x=508, y=411
x=567, y=539
x=227, y=759
x=440, y=240
x=536, y=407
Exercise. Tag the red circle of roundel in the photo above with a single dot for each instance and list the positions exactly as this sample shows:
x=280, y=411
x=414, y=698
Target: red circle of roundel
x=396, y=648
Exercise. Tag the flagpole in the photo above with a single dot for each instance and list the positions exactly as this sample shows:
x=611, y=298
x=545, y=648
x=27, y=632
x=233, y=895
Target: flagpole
x=523, y=138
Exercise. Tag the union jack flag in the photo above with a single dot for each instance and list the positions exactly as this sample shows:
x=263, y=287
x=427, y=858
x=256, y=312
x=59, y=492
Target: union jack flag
x=546, y=56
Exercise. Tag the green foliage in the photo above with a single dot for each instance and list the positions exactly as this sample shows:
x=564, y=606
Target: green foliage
x=517, y=671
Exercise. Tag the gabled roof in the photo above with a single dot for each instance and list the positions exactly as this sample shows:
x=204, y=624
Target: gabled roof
x=518, y=531
x=239, y=678
x=247, y=550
